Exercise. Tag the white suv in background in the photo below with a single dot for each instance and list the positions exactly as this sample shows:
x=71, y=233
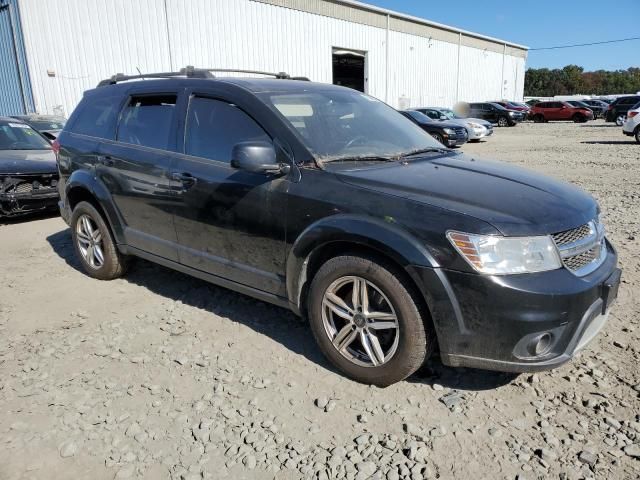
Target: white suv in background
x=631, y=125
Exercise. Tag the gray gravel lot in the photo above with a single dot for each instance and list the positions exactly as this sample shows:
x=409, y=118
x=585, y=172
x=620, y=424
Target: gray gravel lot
x=159, y=375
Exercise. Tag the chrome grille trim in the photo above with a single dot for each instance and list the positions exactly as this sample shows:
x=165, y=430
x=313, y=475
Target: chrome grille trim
x=582, y=249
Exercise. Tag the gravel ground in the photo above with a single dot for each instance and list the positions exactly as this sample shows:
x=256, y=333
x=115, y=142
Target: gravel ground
x=159, y=375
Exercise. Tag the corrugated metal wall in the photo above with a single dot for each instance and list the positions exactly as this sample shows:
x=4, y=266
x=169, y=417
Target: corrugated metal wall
x=84, y=41
x=15, y=87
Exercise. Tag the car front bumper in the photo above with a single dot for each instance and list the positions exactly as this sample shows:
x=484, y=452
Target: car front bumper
x=478, y=133
x=24, y=194
x=499, y=322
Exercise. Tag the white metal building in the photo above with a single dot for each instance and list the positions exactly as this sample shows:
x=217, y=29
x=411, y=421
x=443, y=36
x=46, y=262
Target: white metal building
x=70, y=45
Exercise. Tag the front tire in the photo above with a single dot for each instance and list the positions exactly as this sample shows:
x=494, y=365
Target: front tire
x=503, y=122
x=439, y=138
x=538, y=118
x=367, y=322
x=94, y=244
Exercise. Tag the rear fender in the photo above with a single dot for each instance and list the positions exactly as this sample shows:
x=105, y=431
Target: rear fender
x=83, y=179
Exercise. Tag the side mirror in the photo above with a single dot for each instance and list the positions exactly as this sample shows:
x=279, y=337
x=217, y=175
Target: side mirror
x=256, y=157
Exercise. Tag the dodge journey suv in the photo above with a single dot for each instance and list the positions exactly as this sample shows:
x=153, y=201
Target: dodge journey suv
x=324, y=200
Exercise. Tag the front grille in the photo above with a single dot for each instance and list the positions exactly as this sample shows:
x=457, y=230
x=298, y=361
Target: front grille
x=461, y=131
x=582, y=249
x=573, y=235
x=23, y=188
x=576, y=262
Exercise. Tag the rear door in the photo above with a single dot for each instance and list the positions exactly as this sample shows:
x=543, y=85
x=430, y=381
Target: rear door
x=229, y=223
x=135, y=167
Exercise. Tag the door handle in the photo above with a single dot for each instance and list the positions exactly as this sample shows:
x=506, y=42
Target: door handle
x=185, y=178
x=105, y=160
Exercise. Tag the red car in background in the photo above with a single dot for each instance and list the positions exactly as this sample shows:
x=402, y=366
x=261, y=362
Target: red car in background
x=546, y=111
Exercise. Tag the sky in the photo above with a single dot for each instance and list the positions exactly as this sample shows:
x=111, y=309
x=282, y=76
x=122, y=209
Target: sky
x=543, y=23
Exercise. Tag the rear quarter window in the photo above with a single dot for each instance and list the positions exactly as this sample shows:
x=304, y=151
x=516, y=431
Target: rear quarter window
x=96, y=117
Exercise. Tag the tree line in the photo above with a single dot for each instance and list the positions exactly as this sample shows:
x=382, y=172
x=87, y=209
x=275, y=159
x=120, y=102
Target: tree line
x=572, y=79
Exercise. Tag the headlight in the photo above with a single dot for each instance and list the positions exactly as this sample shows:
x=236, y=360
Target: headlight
x=449, y=131
x=475, y=125
x=511, y=113
x=497, y=255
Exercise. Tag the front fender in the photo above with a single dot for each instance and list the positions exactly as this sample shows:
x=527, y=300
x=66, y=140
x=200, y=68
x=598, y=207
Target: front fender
x=387, y=238
x=83, y=179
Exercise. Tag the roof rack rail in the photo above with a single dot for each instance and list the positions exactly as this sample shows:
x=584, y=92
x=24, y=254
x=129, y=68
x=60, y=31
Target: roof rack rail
x=279, y=75
x=191, y=72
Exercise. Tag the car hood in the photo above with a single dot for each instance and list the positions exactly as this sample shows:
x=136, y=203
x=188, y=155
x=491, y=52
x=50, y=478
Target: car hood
x=14, y=162
x=514, y=200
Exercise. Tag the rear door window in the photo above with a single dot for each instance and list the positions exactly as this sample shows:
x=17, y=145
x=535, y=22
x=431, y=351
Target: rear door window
x=97, y=117
x=147, y=121
x=214, y=127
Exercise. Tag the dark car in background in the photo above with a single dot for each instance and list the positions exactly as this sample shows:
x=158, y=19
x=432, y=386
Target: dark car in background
x=447, y=133
x=618, y=109
x=598, y=107
x=49, y=126
x=28, y=171
x=495, y=113
x=326, y=201
x=559, y=110
x=476, y=127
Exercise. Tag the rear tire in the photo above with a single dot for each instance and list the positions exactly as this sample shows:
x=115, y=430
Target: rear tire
x=397, y=351
x=637, y=135
x=620, y=120
x=94, y=244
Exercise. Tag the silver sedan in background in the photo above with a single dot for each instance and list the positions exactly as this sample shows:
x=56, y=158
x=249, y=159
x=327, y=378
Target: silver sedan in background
x=476, y=127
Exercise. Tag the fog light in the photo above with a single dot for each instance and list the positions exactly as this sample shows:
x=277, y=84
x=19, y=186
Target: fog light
x=540, y=344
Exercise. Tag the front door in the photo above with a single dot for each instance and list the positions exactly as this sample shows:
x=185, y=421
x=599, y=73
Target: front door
x=229, y=223
x=135, y=170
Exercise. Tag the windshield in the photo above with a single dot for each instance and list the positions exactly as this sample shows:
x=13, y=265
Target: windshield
x=335, y=124
x=19, y=136
x=53, y=124
x=449, y=114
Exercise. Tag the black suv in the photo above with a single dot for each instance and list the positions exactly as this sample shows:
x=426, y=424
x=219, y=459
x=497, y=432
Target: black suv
x=619, y=107
x=324, y=200
x=495, y=113
x=448, y=134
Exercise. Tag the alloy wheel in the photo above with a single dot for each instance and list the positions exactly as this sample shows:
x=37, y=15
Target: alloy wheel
x=89, y=241
x=620, y=120
x=502, y=122
x=360, y=321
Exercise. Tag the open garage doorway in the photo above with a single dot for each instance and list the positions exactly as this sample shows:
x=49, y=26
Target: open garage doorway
x=349, y=68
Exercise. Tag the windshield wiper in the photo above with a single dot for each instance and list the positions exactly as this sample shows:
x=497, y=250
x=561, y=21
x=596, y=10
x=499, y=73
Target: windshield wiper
x=425, y=150
x=362, y=158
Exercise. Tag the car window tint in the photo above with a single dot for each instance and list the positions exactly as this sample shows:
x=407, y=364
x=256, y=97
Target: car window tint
x=146, y=121
x=214, y=127
x=97, y=117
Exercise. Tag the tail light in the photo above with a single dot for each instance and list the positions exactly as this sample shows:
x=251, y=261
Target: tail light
x=56, y=147
x=632, y=114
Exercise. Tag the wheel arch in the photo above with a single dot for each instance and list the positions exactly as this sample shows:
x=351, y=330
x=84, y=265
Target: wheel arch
x=81, y=186
x=352, y=234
